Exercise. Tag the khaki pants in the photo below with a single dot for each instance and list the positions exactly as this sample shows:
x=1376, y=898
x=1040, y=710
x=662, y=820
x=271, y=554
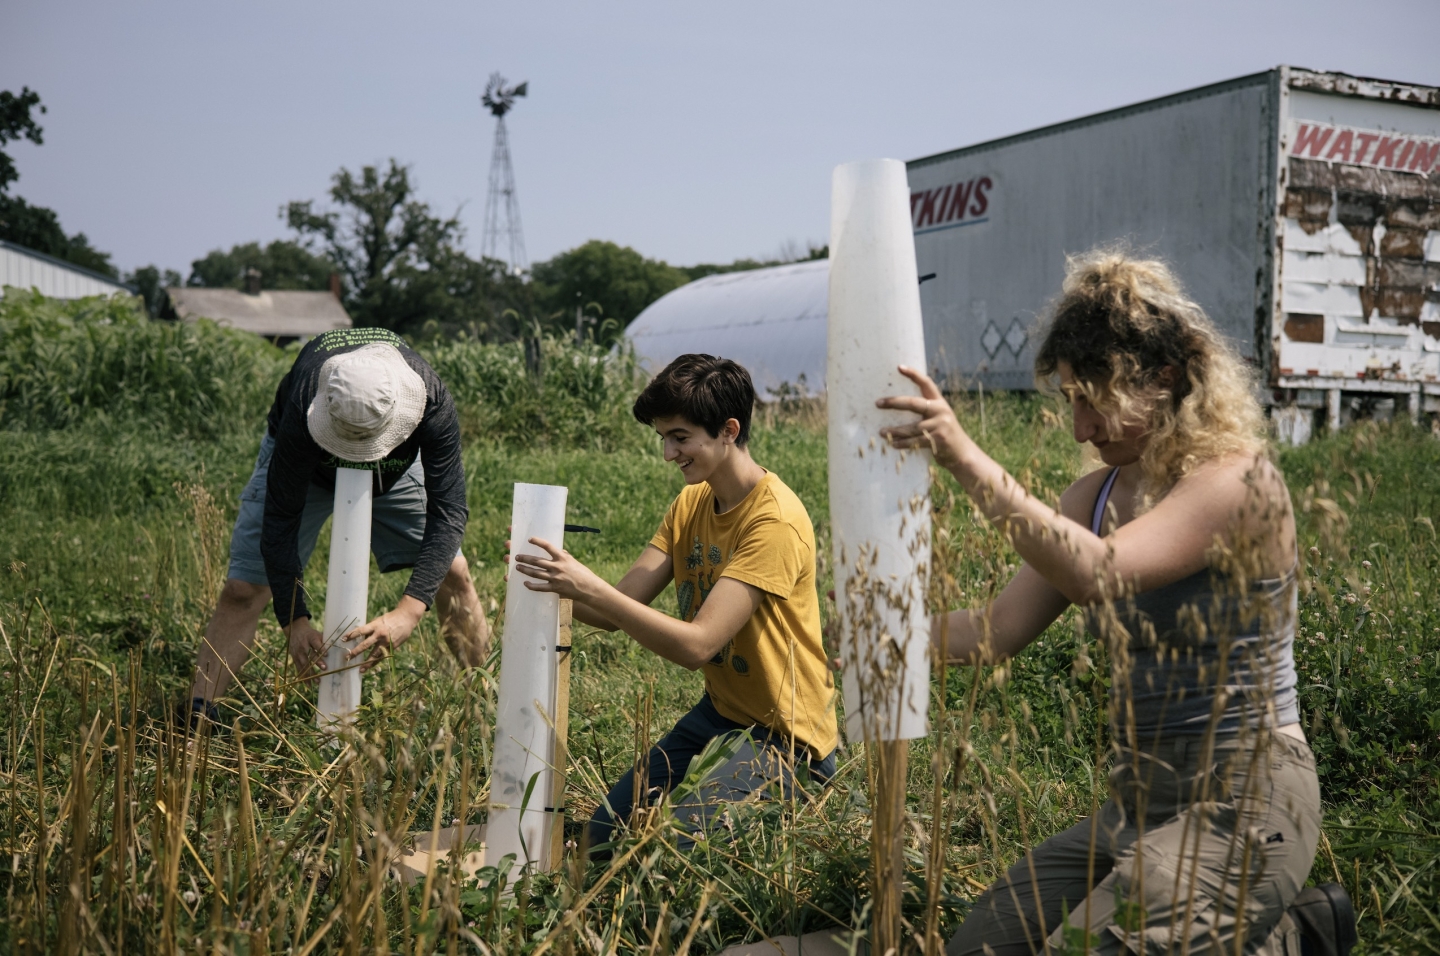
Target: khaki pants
x=1198, y=845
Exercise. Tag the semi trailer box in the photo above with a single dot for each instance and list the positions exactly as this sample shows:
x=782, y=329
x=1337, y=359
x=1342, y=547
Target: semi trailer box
x=1301, y=209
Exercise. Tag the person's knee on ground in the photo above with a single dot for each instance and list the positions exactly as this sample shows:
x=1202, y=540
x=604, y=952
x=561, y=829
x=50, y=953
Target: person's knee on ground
x=599, y=832
x=612, y=812
x=755, y=770
x=238, y=595
x=229, y=636
x=462, y=620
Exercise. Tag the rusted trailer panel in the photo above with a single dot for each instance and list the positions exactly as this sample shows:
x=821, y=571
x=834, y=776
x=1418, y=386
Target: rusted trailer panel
x=1301, y=209
x=1357, y=244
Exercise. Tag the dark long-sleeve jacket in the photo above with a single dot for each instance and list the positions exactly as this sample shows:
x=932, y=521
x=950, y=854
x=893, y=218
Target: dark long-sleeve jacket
x=298, y=462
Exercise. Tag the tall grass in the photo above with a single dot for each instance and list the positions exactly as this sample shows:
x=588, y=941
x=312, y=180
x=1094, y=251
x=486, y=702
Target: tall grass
x=105, y=362
x=121, y=834
x=575, y=396
x=103, y=409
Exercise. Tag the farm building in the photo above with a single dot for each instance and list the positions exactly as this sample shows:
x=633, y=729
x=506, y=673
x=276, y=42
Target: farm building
x=23, y=268
x=772, y=321
x=282, y=316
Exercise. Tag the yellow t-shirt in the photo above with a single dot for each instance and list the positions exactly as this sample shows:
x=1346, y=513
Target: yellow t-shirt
x=773, y=672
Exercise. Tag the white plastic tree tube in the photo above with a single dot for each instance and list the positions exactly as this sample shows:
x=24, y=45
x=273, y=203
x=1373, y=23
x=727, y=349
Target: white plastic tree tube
x=879, y=498
x=521, y=776
x=346, y=596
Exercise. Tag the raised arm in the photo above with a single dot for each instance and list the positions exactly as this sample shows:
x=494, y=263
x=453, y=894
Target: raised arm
x=1169, y=542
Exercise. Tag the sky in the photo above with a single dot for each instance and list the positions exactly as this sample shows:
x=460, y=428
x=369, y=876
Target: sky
x=691, y=132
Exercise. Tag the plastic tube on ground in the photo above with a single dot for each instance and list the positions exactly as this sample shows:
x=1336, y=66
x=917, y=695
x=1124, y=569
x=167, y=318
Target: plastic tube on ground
x=524, y=753
x=346, y=596
x=879, y=498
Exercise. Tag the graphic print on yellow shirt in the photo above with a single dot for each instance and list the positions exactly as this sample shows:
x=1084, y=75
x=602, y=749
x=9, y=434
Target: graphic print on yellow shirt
x=773, y=672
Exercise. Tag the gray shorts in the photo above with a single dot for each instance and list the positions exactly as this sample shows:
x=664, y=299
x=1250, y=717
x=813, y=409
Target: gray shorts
x=397, y=522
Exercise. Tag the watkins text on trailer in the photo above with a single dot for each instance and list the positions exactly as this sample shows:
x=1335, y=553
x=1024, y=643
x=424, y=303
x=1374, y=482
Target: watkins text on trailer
x=1300, y=208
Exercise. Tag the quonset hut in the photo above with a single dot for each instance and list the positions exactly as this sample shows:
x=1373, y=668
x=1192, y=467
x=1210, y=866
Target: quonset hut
x=772, y=321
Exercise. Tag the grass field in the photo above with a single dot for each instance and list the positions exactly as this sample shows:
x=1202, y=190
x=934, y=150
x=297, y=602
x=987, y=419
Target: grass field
x=118, y=481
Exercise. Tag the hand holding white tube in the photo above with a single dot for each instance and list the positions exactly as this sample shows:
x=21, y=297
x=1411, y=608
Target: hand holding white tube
x=938, y=430
x=385, y=633
x=560, y=573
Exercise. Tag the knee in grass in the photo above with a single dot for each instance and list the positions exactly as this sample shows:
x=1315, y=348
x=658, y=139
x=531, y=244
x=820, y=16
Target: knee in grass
x=1158, y=911
x=242, y=595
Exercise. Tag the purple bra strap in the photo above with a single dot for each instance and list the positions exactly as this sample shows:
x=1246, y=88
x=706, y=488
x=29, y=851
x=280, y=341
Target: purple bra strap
x=1097, y=519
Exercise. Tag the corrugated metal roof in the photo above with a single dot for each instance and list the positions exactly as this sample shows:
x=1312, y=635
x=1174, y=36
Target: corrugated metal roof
x=24, y=268
x=271, y=313
x=772, y=321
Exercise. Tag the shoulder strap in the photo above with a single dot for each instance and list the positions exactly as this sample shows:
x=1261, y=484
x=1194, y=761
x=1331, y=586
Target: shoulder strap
x=1097, y=517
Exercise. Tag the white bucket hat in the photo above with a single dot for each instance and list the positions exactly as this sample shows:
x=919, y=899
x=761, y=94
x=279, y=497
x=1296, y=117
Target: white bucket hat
x=368, y=402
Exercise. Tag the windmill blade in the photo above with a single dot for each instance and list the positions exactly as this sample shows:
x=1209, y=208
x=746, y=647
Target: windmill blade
x=494, y=95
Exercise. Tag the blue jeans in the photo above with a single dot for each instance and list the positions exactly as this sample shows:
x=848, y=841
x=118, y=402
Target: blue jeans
x=763, y=759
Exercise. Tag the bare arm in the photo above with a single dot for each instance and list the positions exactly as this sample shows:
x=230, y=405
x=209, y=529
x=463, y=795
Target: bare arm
x=1171, y=541
x=1004, y=627
x=1021, y=612
x=687, y=643
x=646, y=578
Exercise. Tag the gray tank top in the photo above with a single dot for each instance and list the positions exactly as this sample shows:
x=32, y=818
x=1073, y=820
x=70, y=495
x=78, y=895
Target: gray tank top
x=1198, y=650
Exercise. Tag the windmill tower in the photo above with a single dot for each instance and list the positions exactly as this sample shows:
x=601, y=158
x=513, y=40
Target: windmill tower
x=503, y=238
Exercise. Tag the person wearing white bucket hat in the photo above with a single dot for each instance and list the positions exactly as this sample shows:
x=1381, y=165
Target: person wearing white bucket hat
x=354, y=397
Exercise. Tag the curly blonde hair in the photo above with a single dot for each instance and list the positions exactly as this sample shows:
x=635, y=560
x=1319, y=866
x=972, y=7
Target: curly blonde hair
x=1144, y=352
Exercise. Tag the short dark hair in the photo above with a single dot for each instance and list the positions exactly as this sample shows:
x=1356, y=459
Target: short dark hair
x=708, y=391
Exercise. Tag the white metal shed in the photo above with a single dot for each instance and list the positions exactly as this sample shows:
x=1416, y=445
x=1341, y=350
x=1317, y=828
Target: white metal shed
x=24, y=268
x=772, y=321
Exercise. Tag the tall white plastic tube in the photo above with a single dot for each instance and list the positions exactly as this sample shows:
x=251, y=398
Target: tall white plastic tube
x=346, y=595
x=525, y=712
x=879, y=498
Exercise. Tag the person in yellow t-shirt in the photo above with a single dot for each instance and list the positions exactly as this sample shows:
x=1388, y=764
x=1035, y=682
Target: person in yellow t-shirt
x=740, y=548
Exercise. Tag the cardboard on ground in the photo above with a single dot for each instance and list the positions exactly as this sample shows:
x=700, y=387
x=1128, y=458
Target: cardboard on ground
x=826, y=942
x=416, y=858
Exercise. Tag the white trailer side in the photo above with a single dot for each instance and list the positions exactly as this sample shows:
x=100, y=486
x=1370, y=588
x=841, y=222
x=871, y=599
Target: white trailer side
x=1181, y=177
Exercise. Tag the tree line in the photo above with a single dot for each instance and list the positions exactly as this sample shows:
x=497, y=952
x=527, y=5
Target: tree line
x=400, y=264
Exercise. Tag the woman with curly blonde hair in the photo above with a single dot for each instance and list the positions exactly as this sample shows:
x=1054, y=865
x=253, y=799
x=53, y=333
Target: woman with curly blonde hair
x=1182, y=554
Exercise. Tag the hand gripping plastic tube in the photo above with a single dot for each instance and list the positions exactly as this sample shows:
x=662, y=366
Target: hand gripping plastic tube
x=879, y=497
x=346, y=596
x=521, y=777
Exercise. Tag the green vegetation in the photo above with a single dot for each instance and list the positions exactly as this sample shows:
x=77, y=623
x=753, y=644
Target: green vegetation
x=125, y=444
x=282, y=265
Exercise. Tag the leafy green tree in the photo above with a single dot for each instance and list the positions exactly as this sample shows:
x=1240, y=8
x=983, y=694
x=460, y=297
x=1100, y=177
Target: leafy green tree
x=16, y=124
x=401, y=266
x=282, y=264
x=36, y=227
x=384, y=242
x=151, y=282
x=619, y=280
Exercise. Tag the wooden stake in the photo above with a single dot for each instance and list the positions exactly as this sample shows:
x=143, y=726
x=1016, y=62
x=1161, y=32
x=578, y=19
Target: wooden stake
x=561, y=717
x=889, y=759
